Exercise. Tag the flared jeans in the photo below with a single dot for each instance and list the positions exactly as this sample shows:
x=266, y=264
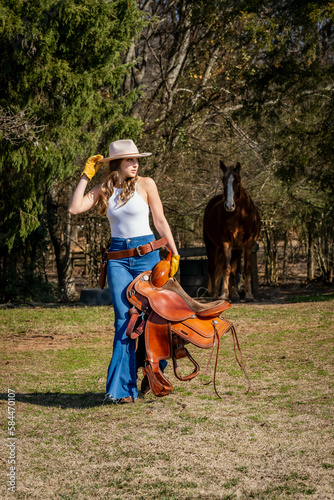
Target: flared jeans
x=122, y=371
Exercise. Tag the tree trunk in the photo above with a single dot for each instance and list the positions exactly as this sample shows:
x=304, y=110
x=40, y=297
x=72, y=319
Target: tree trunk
x=331, y=262
x=285, y=256
x=254, y=270
x=310, y=254
x=324, y=250
x=59, y=225
x=270, y=248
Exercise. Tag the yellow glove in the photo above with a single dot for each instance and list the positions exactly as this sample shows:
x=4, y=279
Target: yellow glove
x=174, y=265
x=92, y=166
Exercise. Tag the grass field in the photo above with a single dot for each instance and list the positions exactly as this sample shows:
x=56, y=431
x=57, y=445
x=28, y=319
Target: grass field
x=273, y=443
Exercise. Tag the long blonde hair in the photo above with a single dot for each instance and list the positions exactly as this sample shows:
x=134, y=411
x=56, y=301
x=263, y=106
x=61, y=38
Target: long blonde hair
x=111, y=181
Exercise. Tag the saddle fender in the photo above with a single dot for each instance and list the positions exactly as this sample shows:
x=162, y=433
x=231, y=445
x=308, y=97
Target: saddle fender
x=158, y=347
x=157, y=340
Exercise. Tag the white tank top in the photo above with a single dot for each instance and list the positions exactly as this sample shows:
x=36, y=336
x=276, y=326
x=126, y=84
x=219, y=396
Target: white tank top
x=129, y=220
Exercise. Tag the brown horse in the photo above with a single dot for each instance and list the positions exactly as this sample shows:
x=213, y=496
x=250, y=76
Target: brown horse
x=231, y=226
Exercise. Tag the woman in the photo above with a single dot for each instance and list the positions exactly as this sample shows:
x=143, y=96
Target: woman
x=126, y=199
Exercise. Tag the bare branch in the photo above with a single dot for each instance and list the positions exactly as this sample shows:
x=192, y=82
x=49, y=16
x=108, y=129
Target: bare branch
x=19, y=127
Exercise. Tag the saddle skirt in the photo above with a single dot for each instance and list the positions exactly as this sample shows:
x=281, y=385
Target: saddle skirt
x=169, y=319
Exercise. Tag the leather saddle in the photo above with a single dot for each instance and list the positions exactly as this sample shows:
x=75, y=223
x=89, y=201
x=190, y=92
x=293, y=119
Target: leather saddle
x=168, y=319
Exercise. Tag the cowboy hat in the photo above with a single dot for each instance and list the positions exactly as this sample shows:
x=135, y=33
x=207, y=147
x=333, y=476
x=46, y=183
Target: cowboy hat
x=125, y=148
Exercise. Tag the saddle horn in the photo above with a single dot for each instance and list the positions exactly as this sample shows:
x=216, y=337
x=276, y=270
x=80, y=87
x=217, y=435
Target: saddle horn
x=160, y=272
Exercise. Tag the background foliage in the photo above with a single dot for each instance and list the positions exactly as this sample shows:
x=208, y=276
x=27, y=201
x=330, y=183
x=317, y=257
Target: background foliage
x=248, y=81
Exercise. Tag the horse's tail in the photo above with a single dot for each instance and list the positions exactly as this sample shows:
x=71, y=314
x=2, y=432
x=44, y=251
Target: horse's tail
x=215, y=265
x=214, y=271
x=206, y=240
x=219, y=260
x=208, y=247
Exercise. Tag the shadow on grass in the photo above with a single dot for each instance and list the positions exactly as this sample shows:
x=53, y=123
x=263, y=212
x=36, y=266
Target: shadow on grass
x=58, y=399
x=294, y=294
x=310, y=298
x=66, y=400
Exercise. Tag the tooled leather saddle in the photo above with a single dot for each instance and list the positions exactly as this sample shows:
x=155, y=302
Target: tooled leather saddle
x=168, y=319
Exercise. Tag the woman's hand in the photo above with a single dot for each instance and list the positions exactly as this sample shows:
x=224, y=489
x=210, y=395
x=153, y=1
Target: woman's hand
x=92, y=166
x=174, y=265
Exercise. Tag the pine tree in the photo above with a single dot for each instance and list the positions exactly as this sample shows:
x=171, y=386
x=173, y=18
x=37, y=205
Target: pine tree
x=61, y=72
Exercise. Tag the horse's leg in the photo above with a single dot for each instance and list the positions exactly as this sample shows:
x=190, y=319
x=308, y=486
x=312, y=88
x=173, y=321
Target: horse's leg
x=227, y=252
x=247, y=273
x=236, y=257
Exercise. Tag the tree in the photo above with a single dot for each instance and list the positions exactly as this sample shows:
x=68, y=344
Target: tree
x=60, y=63
x=287, y=88
x=250, y=81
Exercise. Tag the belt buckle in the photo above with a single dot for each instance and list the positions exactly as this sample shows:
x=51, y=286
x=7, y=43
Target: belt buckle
x=139, y=251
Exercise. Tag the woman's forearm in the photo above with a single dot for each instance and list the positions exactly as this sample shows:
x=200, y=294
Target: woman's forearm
x=75, y=206
x=163, y=229
x=81, y=202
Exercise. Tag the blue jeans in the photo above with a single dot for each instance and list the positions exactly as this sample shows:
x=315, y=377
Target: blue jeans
x=122, y=371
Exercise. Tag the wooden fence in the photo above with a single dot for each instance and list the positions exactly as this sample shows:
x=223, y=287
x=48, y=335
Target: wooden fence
x=193, y=273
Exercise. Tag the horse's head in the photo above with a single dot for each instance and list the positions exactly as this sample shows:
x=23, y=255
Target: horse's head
x=231, y=183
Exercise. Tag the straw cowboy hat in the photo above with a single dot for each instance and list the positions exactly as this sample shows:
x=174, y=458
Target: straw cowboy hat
x=123, y=149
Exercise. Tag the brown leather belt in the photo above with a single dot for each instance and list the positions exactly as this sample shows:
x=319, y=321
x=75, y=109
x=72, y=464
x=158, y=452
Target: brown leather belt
x=138, y=251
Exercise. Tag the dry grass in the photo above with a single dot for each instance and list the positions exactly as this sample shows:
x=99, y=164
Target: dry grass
x=275, y=443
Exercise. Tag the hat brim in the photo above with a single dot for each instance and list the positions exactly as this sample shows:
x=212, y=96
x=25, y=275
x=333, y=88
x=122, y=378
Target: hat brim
x=128, y=155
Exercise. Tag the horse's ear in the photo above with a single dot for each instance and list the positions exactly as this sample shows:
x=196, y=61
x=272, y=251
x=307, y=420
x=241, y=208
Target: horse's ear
x=222, y=166
x=237, y=168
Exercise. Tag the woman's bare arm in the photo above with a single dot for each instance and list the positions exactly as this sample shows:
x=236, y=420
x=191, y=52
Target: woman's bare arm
x=158, y=215
x=81, y=202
